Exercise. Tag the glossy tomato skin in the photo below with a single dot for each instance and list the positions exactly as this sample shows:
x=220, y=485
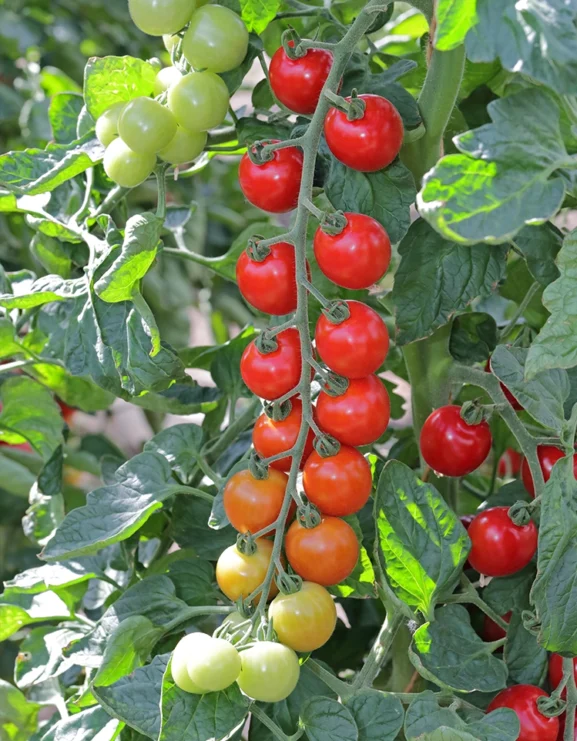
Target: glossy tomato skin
x=298, y=83
x=522, y=698
x=269, y=285
x=356, y=258
x=158, y=17
x=325, y=554
x=252, y=504
x=452, y=447
x=125, y=167
x=356, y=347
x=270, y=671
x=556, y=671
x=369, y=143
x=492, y=631
x=304, y=620
x=214, y=665
x=270, y=437
x=509, y=463
x=239, y=574
x=274, y=185
x=146, y=126
x=199, y=101
x=184, y=649
x=216, y=39
x=548, y=456
x=340, y=484
x=499, y=547
x=273, y=374
x=360, y=415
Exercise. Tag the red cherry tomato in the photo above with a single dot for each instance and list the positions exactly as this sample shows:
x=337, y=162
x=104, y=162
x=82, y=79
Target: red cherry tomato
x=368, y=143
x=356, y=347
x=252, y=504
x=452, y=447
x=508, y=395
x=522, y=698
x=357, y=257
x=67, y=412
x=556, y=671
x=325, y=554
x=270, y=284
x=298, y=83
x=274, y=185
x=360, y=415
x=275, y=373
x=340, y=484
x=499, y=547
x=270, y=438
x=509, y=463
x=492, y=631
x=548, y=456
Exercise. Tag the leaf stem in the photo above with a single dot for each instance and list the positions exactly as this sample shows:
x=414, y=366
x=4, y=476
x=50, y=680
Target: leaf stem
x=379, y=650
x=569, y=672
x=342, y=689
x=519, y=312
x=192, y=612
x=270, y=724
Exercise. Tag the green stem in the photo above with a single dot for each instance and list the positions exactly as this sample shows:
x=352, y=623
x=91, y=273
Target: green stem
x=193, y=612
x=569, y=672
x=271, y=725
x=160, y=173
x=342, y=689
x=520, y=311
x=222, y=136
x=379, y=650
x=113, y=197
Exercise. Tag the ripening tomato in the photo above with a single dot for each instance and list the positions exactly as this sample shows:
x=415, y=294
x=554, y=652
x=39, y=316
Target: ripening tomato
x=369, y=143
x=273, y=374
x=326, y=554
x=273, y=186
x=107, y=124
x=270, y=671
x=356, y=258
x=125, y=167
x=356, y=347
x=304, y=620
x=498, y=546
x=239, y=574
x=357, y=417
x=184, y=650
x=146, y=126
x=252, y=504
x=270, y=284
x=270, y=437
x=522, y=698
x=216, y=39
x=340, y=484
x=509, y=463
x=159, y=17
x=199, y=101
x=298, y=83
x=492, y=631
x=556, y=671
x=548, y=456
x=214, y=665
x=452, y=447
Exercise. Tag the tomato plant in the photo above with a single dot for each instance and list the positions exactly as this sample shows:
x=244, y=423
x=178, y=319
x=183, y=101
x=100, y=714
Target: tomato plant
x=272, y=374
x=272, y=185
x=271, y=437
x=269, y=285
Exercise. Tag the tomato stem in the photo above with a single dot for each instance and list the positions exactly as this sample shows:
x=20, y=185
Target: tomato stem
x=569, y=672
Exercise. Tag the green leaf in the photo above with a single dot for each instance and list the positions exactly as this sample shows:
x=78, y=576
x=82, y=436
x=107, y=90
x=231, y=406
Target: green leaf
x=18, y=610
x=556, y=343
x=182, y=398
x=554, y=591
x=534, y=38
x=193, y=580
x=9, y=344
x=80, y=393
x=18, y=716
x=41, y=658
x=110, y=80
x=63, y=114
x=46, y=510
x=473, y=337
x=327, y=720
x=505, y=178
x=127, y=648
x=438, y=278
x=508, y=593
x=51, y=255
x=378, y=716
x=449, y=653
x=42, y=578
x=386, y=195
x=454, y=19
x=500, y=725
x=30, y=414
x=225, y=368
x=138, y=252
x=361, y=583
x=257, y=14
x=540, y=245
x=189, y=528
x=93, y=724
x=425, y=715
x=250, y=129
x=180, y=445
x=16, y=478
x=526, y=660
x=41, y=170
x=234, y=78
x=112, y=513
x=422, y=544
x=43, y=291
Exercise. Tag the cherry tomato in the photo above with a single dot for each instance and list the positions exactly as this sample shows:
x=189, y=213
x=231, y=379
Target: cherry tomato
x=492, y=631
x=165, y=78
x=548, y=456
x=340, y=484
x=304, y=620
x=214, y=665
x=368, y=143
x=146, y=126
x=499, y=547
x=356, y=347
x=252, y=504
x=239, y=574
x=125, y=167
x=159, y=17
x=66, y=411
x=184, y=650
x=185, y=146
x=356, y=258
x=216, y=39
x=298, y=83
x=199, y=101
x=556, y=671
x=273, y=186
x=270, y=671
x=275, y=373
x=325, y=554
x=509, y=463
x=107, y=124
x=509, y=396
x=270, y=438
x=360, y=415
x=522, y=698
x=452, y=447
x=269, y=285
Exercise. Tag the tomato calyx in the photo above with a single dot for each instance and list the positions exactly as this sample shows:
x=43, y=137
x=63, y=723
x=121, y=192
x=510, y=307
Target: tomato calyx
x=354, y=107
x=551, y=706
x=291, y=43
x=474, y=413
x=266, y=342
x=256, y=250
x=288, y=583
x=257, y=466
x=335, y=385
x=261, y=152
x=520, y=512
x=333, y=224
x=309, y=516
x=278, y=411
x=337, y=312
x=326, y=446
x=531, y=622
x=246, y=544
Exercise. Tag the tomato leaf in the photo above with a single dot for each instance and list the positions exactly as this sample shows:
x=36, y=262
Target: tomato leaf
x=110, y=80
x=379, y=717
x=473, y=337
x=508, y=593
x=234, y=78
x=257, y=14
x=41, y=654
x=17, y=713
x=327, y=720
x=180, y=445
x=540, y=245
x=454, y=19
x=190, y=529
x=526, y=660
x=88, y=725
x=19, y=610
x=46, y=510
x=127, y=648
x=63, y=114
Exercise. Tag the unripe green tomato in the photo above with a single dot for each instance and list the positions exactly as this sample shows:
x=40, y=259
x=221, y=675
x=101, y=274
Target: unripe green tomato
x=184, y=147
x=184, y=650
x=199, y=101
x=170, y=41
x=165, y=78
x=146, y=126
x=107, y=124
x=216, y=39
x=159, y=17
x=125, y=167
x=270, y=671
x=215, y=664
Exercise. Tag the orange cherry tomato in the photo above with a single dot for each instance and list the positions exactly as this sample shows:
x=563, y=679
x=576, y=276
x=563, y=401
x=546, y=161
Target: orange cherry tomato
x=339, y=484
x=251, y=504
x=239, y=574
